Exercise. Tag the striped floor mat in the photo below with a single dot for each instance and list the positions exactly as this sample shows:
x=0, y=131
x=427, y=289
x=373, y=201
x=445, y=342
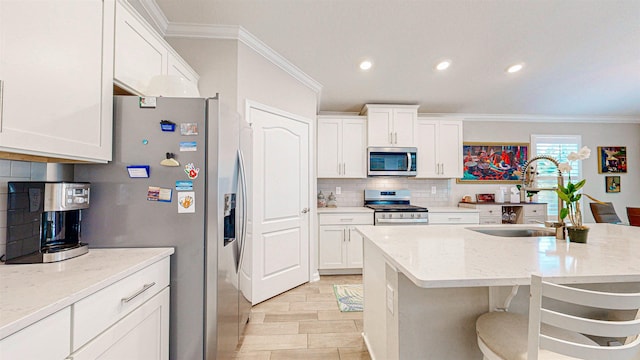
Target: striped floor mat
x=349, y=297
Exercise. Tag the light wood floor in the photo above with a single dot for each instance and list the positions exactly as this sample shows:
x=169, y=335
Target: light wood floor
x=305, y=323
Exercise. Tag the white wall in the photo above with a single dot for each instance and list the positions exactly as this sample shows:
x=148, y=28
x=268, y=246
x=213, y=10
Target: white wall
x=15, y=171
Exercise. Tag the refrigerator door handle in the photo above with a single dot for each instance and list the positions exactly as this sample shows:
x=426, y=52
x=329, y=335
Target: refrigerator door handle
x=243, y=227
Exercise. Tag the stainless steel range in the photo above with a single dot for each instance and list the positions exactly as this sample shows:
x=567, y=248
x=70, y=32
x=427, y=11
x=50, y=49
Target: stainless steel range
x=392, y=207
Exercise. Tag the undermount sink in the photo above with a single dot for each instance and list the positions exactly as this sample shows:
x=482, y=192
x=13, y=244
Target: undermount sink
x=517, y=232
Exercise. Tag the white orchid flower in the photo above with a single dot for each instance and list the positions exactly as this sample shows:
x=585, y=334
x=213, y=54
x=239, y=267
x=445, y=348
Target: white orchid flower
x=573, y=156
x=584, y=153
x=565, y=167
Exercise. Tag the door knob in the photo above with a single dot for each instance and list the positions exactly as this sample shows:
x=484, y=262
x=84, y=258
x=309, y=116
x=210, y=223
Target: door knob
x=305, y=210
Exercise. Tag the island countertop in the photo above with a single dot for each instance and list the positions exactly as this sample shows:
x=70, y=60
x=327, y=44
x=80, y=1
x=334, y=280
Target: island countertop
x=31, y=292
x=453, y=256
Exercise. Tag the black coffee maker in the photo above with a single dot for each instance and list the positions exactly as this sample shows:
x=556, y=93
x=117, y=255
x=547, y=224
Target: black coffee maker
x=44, y=221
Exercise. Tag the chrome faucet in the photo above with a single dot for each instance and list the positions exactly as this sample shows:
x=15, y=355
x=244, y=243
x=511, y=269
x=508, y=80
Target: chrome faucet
x=558, y=225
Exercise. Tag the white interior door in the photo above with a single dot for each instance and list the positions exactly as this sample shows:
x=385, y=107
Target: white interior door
x=280, y=201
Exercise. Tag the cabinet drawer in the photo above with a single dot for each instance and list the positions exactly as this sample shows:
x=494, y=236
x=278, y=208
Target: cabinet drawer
x=104, y=308
x=535, y=210
x=346, y=218
x=490, y=220
x=453, y=218
x=46, y=339
x=490, y=210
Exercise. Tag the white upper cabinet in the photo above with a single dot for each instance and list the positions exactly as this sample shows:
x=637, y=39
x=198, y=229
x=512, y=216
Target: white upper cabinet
x=342, y=145
x=141, y=55
x=56, y=68
x=439, y=144
x=391, y=125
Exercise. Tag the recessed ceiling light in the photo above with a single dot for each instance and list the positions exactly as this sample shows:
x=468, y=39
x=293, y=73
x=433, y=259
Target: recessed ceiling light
x=443, y=65
x=366, y=65
x=515, y=68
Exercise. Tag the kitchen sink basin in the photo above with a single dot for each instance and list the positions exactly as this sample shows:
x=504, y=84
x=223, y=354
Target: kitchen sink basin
x=517, y=232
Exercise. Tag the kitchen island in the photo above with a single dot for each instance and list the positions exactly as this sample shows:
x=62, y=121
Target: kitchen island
x=426, y=285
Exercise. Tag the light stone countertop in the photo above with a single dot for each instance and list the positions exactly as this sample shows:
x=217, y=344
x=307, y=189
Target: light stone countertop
x=346, y=209
x=453, y=256
x=31, y=292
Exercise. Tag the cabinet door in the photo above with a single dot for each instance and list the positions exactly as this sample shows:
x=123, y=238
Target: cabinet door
x=143, y=334
x=331, y=247
x=329, y=148
x=427, y=144
x=450, y=148
x=139, y=55
x=49, y=338
x=354, y=148
x=354, y=249
x=403, y=123
x=380, y=127
x=56, y=65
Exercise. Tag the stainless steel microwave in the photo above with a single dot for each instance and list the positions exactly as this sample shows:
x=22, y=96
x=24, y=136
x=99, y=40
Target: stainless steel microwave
x=391, y=161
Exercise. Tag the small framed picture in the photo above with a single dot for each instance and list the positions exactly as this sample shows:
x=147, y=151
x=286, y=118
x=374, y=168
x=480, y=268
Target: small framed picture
x=612, y=159
x=485, y=198
x=612, y=184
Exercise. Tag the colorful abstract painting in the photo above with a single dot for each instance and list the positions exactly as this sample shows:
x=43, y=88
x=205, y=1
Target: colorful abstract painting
x=493, y=162
x=612, y=159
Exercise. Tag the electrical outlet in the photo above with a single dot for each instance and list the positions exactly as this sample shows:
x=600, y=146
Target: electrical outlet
x=390, y=298
x=434, y=190
x=338, y=190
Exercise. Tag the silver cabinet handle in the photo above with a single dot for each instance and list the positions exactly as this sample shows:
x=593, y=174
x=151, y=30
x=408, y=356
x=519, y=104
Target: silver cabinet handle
x=442, y=171
x=344, y=168
x=137, y=293
x=346, y=219
x=349, y=233
x=396, y=140
x=305, y=210
x=391, y=138
x=339, y=168
x=344, y=235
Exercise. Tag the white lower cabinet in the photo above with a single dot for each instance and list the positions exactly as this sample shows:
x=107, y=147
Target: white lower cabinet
x=128, y=319
x=49, y=338
x=143, y=334
x=339, y=243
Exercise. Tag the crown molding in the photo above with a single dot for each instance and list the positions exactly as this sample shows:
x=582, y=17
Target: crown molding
x=536, y=118
x=235, y=32
x=160, y=21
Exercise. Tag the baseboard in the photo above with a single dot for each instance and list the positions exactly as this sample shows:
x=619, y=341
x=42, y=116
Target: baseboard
x=341, y=271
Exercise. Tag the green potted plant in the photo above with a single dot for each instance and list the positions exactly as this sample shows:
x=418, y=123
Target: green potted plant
x=571, y=196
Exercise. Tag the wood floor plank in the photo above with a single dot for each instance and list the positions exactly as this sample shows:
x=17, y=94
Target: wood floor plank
x=290, y=316
x=311, y=306
x=335, y=326
x=273, y=342
x=273, y=328
x=338, y=315
x=306, y=354
x=335, y=339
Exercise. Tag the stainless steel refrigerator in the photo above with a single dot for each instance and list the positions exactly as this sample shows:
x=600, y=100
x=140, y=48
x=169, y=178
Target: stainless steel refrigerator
x=176, y=180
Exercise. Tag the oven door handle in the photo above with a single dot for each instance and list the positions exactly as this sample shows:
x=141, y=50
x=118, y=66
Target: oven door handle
x=404, y=221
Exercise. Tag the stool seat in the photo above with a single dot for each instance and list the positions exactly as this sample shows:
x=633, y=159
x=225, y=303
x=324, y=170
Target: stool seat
x=505, y=334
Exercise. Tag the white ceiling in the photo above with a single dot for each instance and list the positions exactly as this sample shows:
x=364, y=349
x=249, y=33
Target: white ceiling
x=582, y=57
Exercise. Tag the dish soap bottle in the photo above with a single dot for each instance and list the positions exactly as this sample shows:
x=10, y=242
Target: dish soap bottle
x=322, y=202
x=332, y=203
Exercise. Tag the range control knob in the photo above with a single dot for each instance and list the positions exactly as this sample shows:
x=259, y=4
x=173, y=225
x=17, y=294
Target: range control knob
x=401, y=215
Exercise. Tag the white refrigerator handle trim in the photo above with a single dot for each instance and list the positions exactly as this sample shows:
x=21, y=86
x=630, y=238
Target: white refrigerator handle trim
x=243, y=227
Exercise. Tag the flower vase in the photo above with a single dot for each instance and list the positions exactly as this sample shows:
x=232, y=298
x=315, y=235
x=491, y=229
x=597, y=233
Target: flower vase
x=578, y=235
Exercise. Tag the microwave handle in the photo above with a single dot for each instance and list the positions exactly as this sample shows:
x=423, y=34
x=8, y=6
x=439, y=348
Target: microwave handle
x=409, y=161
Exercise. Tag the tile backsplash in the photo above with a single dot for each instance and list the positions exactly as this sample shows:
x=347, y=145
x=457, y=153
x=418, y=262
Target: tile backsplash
x=352, y=190
x=11, y=170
